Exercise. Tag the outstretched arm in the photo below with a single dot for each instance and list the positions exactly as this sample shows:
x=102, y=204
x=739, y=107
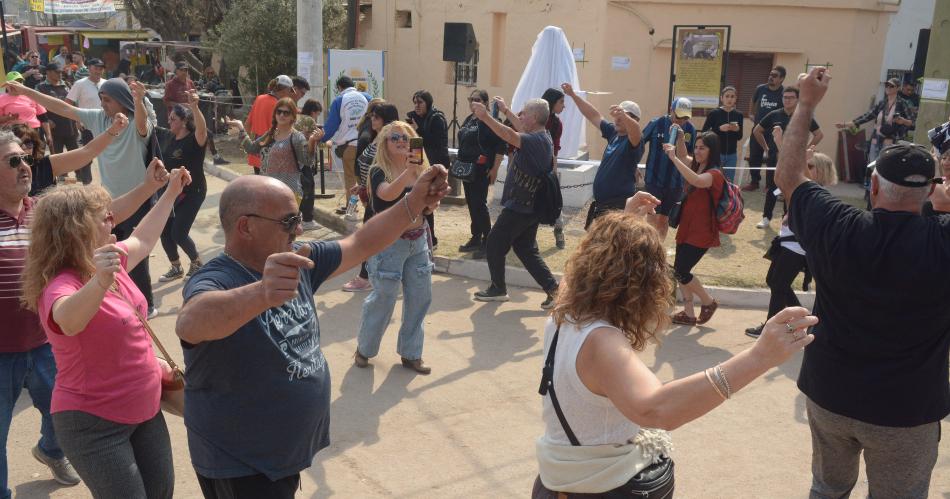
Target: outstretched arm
x=52, y=104
x=790, y=171
x=507, y=134
x=68, y=161
x=589, y=112
x=141, y=114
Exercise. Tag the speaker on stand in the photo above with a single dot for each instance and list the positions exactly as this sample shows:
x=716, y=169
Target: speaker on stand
x=458, y=46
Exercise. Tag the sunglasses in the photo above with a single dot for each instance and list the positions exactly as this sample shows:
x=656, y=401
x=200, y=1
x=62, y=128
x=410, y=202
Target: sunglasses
x=34, y=57
x=284, y=112
x=288, y=223
x=16, y=161
x=398, y=137
x=888, y=85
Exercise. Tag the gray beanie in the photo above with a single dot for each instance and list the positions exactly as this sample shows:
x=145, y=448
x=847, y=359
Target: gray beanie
x=118, y=90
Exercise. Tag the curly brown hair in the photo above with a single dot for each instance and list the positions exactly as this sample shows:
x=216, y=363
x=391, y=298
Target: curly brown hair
x=61, y=236
x=618, y=274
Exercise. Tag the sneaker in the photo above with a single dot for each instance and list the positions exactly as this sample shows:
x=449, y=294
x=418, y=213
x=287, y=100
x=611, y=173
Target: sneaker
x=152, y=312
x=548, y=303
x=63, y=472
x=754, y=332
x=340, y=211
x=751, y=186
x=195, y=265
x=173, y=273
x=559, y=237
x=357, y=284
x=764, y=223
x=359, y=360
x=310, y=225
x=491, y=294
x=473, y=244
x=218, y=160
x=480, y=253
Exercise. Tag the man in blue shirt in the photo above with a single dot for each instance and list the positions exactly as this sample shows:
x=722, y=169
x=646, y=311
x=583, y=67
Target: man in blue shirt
x=662, y=178
x=616, y=177
x=258, y=385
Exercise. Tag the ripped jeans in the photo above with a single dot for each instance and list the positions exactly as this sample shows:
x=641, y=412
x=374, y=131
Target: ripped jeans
x=405, y=264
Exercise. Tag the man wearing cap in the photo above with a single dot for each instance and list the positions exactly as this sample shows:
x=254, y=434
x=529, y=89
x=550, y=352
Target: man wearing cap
x=345, y=113
x=763, y=134
x=260, y=117
x=63, y=129
x=84, y=94
x=616, y=178
x=662, y=178
x=876, y=375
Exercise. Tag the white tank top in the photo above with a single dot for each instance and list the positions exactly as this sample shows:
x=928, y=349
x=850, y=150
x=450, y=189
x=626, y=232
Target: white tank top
x=593, y=418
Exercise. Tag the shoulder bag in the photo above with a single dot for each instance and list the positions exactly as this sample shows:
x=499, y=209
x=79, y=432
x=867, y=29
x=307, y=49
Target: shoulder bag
x=653, y=482
x=463, y=170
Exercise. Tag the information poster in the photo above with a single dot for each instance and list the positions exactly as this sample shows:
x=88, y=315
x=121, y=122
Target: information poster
x=63, y=7
x=698, y=63
x=366, y=67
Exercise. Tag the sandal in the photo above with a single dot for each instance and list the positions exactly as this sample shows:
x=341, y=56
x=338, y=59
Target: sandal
x=706, y=312
x=683, y=319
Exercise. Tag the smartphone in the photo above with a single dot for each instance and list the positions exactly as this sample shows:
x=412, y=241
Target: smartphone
x=415, y=150
x=494, y=109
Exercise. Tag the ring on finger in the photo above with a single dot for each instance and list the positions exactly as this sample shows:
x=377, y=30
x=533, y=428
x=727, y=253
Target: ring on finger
x=789, y=327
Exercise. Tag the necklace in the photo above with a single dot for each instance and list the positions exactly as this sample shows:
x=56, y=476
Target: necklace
x=246, y=270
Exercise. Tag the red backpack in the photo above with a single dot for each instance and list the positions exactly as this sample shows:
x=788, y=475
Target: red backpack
x=729, y=210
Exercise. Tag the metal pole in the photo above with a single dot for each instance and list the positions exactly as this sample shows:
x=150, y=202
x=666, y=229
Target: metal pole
x=3, y=27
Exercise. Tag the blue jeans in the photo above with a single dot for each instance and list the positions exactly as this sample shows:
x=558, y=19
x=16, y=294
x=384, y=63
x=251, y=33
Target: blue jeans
x=729, y=162
x=404, y=263
x=36, y=370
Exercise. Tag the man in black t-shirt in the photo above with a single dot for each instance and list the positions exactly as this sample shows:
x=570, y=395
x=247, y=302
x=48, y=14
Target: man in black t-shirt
x=876, y=374
x=767, y=98
x=64, y=129
x=517, y=225
x=763, y=135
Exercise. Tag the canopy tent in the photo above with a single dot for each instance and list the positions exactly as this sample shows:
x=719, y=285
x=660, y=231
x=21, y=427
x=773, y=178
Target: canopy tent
x=550, y=65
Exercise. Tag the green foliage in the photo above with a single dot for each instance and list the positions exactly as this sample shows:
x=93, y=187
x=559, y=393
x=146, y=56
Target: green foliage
x=261, y=35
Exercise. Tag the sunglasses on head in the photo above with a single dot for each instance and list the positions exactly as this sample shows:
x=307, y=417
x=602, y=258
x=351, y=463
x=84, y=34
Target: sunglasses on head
x=288, y=224
x=284, y=112
x=16, y=161
x=398, y=137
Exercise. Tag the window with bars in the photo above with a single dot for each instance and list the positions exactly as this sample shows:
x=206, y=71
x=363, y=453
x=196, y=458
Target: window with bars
x=468, y=71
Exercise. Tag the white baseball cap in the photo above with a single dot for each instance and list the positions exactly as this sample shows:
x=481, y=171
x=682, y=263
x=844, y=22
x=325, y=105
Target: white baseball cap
x=631, y=107
x=284, y=81
x=682, y=108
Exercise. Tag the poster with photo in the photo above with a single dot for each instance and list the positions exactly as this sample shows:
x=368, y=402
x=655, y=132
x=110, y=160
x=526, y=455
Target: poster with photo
x=698, y=64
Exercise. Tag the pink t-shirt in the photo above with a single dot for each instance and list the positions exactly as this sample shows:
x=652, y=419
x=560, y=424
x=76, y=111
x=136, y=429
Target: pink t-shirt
x=23, y=106
x=109, y=369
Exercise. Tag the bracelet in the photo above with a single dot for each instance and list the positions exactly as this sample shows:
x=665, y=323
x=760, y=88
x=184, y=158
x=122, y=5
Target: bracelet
x=724, y=380
x=713, y=383
x=112, y=134
x=412, y=219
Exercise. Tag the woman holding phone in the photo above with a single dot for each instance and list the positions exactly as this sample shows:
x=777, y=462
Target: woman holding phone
x=726, y=123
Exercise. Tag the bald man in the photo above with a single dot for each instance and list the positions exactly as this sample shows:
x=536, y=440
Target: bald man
x=258, y=387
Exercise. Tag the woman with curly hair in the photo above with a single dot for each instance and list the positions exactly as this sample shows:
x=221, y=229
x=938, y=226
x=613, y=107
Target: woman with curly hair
x=105, y=404
x=599, y=397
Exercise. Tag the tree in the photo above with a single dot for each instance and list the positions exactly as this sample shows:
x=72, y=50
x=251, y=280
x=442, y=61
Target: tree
x=177, y=19
x=261, y=35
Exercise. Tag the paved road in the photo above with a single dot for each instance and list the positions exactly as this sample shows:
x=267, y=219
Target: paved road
x=468, y=430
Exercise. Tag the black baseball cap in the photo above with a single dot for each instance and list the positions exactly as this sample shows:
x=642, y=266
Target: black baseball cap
x=899, y=162
x=181, y=65
x=54, y=66
x=95, y=62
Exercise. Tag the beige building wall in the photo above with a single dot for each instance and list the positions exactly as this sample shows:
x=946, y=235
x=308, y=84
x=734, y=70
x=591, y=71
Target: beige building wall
x=848, y=34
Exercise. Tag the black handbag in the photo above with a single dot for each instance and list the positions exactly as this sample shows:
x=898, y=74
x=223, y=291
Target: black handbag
x=676, y=213
x=463, y=170
x=653, y=482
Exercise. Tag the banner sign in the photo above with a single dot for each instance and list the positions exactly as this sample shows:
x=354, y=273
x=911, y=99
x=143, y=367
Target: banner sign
x=366, y=67
x=699, y=55
x=61, y=7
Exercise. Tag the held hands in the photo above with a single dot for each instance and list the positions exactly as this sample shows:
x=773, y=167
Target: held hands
x=568, y=89
x=107, y=260
x=812, y=87
x=641, y=204
x=282, y=274
x=783, y=335
x=177, y=180
x=156, y=175
x=429, y=189
x=119, y=123
x=138, y=90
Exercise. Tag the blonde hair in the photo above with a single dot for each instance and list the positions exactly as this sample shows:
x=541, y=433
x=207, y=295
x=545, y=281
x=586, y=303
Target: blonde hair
x=383, y=161
x=618, y=274
x=62, y=236
x=825, y=173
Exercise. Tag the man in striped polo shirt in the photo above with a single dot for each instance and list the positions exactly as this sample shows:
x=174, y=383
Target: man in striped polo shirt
x=25, y=356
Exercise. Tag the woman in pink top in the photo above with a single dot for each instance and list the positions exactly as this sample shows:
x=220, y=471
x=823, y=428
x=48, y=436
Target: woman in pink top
x=105, y=404
x=21, y=109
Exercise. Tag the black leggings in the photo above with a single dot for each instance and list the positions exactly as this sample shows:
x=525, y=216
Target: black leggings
x=308, y=186
x=179, y=225
x=687, y=256
x=786, y=265
x=476, y=197
x=367, y=214
x=770, y=197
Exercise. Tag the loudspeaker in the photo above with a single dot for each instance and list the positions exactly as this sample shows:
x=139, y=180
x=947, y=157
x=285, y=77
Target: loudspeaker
x=459, y=42
x=920, y=56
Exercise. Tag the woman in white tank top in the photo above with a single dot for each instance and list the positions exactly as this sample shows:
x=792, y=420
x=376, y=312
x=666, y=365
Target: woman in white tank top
x=614, y=299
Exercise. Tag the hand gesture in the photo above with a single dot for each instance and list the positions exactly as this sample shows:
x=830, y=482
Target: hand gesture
x=119, y=123
x=156, y=175
x=282, y=275
x=107, y=260
x=616, y=112
x=568, y=89
x=138, y=90
x=502, y=106
x=192, y=98
x=177, y=180
x=15, y=88
x=480, y=111
x=670, y=150
x=846, y=124
x=783, y=335
x=809, y=154
x=642, y=203
x=430, y=188
x=316, y=136
x=233, y=123
x=812, y=88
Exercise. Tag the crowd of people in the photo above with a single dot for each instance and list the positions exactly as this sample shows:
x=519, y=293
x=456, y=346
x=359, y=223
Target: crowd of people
x=81, y=303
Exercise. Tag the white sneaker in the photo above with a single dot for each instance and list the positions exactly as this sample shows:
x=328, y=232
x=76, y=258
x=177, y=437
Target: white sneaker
x=763, y=224
x=310, y=225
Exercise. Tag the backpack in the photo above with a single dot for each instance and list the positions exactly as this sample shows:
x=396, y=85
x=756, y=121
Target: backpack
x=547, y=199
x=729, y=210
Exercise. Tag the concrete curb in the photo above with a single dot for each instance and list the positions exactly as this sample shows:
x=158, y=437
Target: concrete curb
x=516, y=276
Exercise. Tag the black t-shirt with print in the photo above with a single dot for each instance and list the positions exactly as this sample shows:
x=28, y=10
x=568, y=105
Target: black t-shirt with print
x=881, y=347
x=781, y=119
x=768, y=100
x=184, y=152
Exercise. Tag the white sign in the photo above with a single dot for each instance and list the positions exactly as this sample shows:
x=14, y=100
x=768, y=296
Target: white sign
x=366, y=67
x=578, y=54
x=61, y=7
x=618, y=63
x=935, y=89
